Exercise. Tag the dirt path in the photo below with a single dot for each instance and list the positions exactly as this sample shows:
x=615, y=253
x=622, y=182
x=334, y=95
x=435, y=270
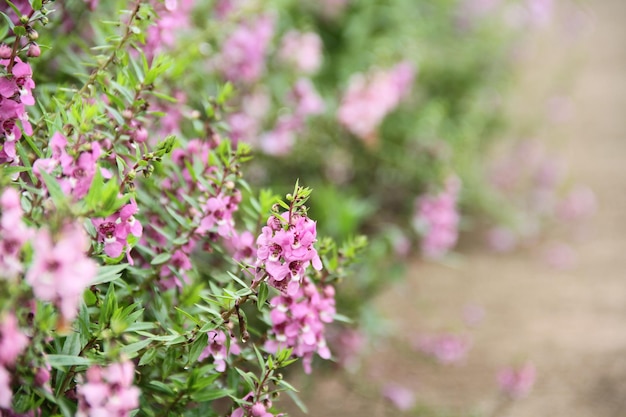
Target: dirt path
x=570, y=324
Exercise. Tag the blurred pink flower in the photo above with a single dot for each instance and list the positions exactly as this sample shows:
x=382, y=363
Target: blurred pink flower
x=446, y=348
x=437, y=219
x=401, y=397
x=108, y=391
x=12, y=340
x=369, y=98
x=517, y=382
x=61, y=270
x=302, y=50
x=560, y=256
x=501, y=239
x=6, y=394
x=578, y=204
x=243, y=53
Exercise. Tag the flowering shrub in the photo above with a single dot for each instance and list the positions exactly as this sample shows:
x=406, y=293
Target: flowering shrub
x=143, y=265
x=130, y=276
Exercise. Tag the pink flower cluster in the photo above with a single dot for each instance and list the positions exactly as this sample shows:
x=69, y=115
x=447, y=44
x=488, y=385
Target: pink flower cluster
x=369, y=98
x=12, y=343
x=108, y=391
x=517, y=382
x=15, y=93
x=437, y=219
x=218, y=214
x=285, y=249
x=218, y=350
x=114, y=230
x=298, y=322
x=173, y=16
x=77, y=168
x=302, y=50
x=61, y=270
x=243, y=52
x=446, y=348
x=13, y=234
x=256, y=409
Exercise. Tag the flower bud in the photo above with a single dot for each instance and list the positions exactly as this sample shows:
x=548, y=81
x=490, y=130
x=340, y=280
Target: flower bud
x=32, y=34
x=24, y=19
x=5, y=51
x=148, y=171
x=33, y=50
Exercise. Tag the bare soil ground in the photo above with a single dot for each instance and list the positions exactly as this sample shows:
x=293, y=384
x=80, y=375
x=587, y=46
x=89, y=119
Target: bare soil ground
x=571, y=324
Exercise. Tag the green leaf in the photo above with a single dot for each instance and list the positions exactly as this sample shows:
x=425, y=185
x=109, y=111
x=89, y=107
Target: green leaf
x=62, y=361
x=287, y=385
x=262, y=295
x=225, y=93
x=189, y=316
x=161, y=258
x=36, y=4
x=197, y=347
x=148, y=357
x=56, y=193
x=209, y=395
x=259, y=357
x=297, y=401
x=108, y=273
x=161, y=387
x=135, y=347
x=181, y=220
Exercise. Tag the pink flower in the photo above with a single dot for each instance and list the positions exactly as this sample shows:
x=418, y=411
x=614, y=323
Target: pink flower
x=218, y=215
x=61, y=271
x=285, y=254
x=369, y=98
x=15, y=93
x=517, y=382
x=302, y=50
x=560, y=256
x=437, y=220
x=12, y=340
x=446, y=348
x=108, y=391
x=173, y=16
x=218, y=350
x=298, y=322
x=401, y=397
x=77, y=171
x=13, y=234
x=115, y=229
x=243, y=247
x=6, y=394
x=306, y=99
x=580, y=203
x=280, y=140
x=257, y=409
x=243, y=52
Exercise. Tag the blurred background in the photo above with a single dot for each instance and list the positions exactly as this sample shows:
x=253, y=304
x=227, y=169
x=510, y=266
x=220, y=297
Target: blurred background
x=552, y=307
